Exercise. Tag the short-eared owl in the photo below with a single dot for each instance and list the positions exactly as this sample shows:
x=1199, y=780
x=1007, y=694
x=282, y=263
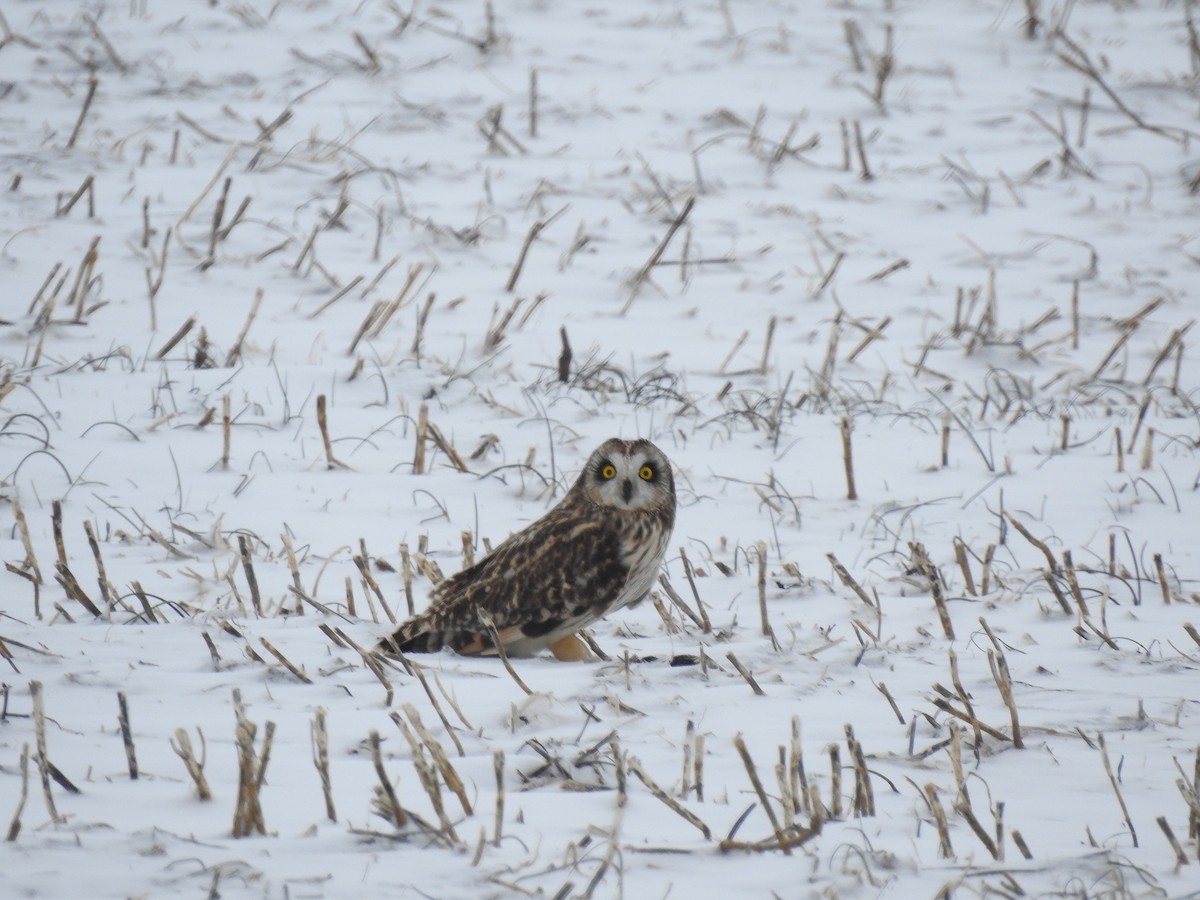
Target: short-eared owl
x=598, y=550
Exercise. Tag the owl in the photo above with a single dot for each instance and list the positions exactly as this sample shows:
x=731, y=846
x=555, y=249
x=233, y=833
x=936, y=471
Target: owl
x=598, y=550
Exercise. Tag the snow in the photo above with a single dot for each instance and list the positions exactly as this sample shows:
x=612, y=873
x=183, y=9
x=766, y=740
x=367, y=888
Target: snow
x=1004, y=179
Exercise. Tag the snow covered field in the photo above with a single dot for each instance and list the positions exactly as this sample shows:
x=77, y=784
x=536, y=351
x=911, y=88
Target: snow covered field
x=302, y=299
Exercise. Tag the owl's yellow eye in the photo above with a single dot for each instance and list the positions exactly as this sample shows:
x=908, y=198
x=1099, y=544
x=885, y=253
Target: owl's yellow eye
x=608, y=472
x=646, y=473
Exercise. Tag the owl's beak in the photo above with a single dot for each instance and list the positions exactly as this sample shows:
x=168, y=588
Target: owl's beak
x=627, y=490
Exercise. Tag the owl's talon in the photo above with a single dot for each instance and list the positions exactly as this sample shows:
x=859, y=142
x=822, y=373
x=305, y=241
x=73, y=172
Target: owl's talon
x=571, y=649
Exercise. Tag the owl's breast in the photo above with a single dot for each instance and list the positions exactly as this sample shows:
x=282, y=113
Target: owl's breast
x=643, y=550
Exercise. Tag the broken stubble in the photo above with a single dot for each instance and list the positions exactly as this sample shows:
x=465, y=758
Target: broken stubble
x=252, y=769
x=666, y=799
x=320, y=751
x=127, y=735
x=925, y=566
x=386, y=804
x=745, y=673
x=93, y=83
x=643, y=274
x=1116, y=786
x=14, y=828
x=848, y=459
x=181, y=743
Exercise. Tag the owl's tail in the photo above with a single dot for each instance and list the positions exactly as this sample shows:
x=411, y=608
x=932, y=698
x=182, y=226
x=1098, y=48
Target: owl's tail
x=414, y=636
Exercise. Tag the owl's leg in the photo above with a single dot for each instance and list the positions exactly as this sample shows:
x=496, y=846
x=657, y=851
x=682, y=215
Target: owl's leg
x=571, y=649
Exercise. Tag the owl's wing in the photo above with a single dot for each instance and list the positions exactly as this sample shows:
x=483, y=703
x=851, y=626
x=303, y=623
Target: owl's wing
x=551, y=579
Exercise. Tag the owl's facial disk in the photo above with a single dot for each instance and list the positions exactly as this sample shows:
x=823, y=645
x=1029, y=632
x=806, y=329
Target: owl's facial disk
x=628, y=481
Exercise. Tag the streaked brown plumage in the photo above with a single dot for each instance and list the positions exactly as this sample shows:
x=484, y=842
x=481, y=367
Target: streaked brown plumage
x=598, y=550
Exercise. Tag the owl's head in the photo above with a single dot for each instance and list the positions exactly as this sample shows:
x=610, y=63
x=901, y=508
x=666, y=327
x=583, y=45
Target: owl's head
x=628, y=475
